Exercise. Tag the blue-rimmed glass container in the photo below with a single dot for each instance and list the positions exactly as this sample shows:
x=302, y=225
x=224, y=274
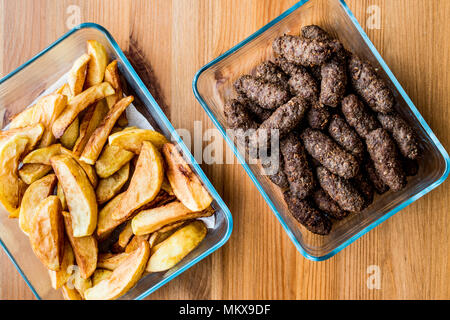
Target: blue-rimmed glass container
x=212, y=86
x=22, y=86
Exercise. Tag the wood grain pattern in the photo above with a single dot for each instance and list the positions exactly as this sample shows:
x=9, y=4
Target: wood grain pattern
x=176, y=38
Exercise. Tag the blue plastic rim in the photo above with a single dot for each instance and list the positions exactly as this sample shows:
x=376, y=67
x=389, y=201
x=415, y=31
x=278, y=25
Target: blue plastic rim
x=174, y=136
x=252, y=176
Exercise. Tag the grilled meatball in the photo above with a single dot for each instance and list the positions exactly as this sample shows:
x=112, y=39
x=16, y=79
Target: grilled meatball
x=328, y=205
x=302, y=51
x=318, y=116
x=383, y=152
x=340, y=190
x=329, y=153
x=270, y=72
x=402, y=133
x=303, y=84
x=314, y=32
x=296, y=167
x=304, y=212
x=266, y=94
x=279, y=177
x=345, y=136
x=372, y=174
x=362, y=183
x=370, y=86
x=259, y=114
x=333, y=82
x=358, y=116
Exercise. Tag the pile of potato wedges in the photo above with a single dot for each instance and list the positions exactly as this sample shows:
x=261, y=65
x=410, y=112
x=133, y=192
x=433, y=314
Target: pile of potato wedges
x=102, y=203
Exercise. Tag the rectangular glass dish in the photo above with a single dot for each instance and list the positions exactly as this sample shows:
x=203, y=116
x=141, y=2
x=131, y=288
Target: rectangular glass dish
x=24, y=85
x=213, y=86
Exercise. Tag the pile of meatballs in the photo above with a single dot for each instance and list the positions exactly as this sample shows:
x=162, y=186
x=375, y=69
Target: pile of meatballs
x=340, y=137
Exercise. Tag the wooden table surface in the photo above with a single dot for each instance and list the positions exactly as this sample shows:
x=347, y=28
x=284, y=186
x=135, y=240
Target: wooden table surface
x=410, y=252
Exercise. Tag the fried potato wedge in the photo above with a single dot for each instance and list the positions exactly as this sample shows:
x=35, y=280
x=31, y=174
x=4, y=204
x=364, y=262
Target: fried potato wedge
x=65, y=90
x=123, y=278
x=91, y=120
x=163, y=233
x=77, y=104
x=124, y=237
x=61, y=196
x=166, y=186
x=70, y=293
x=33, y=132
x=32, y=172
x=35, y=193
x=106, y=224
x=134, y=242
x=80, y=195
x=185, y=184
x=47, y=233
x=97, y=63
x=111, y=261
x=151, y=220
x=70, y=136
x=111, y=160
x=109, y=187
x=98, y=139
x=145, y=183
x=11, y=187
x=78, y=282
x=168, y=253
x=112, y=76
x=60, y=278
x=85, y=249
x=77, y=74
x=99, y=275
x=88, y=169
x=131, y=139
x=43, y=155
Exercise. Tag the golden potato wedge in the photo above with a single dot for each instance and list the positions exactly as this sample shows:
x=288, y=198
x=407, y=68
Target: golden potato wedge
x=168, y=253
x=77, y=74
x=91, y=120
x=77, y=104
x=60, y=278
x=97, y=63
x=70, y=293
x=111, y=261
x=10, y=184
x=65, y=90
x=185, y=184
x=131, y=139
x=80, y=195
x=99, y=275
x=85, y=249
x=32, y=172
x=78, y=282
x=124, y=237
x=70, y=136
x=47, y=233
x=166, y=186
x=134, y=242
x=61, y=196
x=111, y=160
x=98, y=139
x=145, y=183
x=36, y=192
x=43, y=155
x=88, y=169
x=33, y=132
x=163, y=233
x=151, y=220
x=109, y=187
x=112, y=76
x=106, y=224
x=123, y=278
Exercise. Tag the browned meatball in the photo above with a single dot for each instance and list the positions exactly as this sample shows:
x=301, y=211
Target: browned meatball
x=370, y=86
x=402, y=133
x=314, y=32
x=383, y=152
x=329, y=153
x=279, y=177
x=318, y=116
x=358, y=116
x=345, y=136
x=266, y=94
x=304, y=212
x=328, y=205
x=362, y=183
x=372, y=174
x=302, y=51
x=238, y=116
x=296, y=167
x=340, y=190
x=258, y=114
x=270, y=72
x=334, y=82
